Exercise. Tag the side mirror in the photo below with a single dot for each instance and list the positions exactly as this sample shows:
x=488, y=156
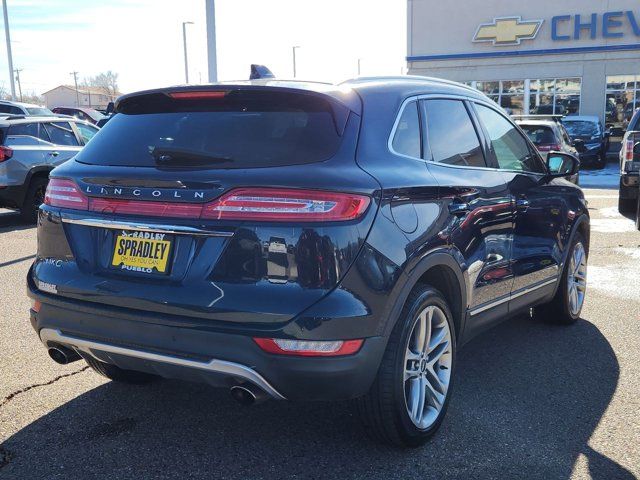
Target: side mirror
x=579, y=144
x=562, y=164
x=110, y=108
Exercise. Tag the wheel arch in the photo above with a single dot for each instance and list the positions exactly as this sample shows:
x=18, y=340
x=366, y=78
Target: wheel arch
x=441, y=271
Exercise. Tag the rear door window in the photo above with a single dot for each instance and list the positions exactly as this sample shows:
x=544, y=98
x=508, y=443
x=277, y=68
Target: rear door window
x=28, y=129
x=406, y=140
x=539, y=134
x=61, y=133
x=452, y=137
x=241, y=129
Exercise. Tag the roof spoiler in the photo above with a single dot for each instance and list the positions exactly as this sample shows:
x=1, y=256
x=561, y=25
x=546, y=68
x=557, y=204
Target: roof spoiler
x=259, y=72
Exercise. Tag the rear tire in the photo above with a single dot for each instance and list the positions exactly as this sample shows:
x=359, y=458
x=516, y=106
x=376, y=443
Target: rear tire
x=566, y=306
x=638, y=212
x=33, y=199
x=602, y=161
x=406, y=403
x=118, y=374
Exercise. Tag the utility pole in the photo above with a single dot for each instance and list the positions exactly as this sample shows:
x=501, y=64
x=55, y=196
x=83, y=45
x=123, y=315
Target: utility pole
x=18, y=70
x=212, y=55
x=184, y=40
x=294, y=59
x=9, y=57
x=359, y=66
x=75, y=80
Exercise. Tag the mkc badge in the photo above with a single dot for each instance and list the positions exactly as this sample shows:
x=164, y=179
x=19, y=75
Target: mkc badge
x=507, y=31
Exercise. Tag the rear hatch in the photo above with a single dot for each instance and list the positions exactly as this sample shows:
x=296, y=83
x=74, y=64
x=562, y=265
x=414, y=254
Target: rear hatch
x=543, y=137
x=239, y=204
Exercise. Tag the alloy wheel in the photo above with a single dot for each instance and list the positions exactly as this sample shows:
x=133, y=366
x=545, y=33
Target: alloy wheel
x=427, y=367
x=577, y=279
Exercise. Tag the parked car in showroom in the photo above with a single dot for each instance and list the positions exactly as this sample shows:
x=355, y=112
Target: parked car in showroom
x=82, y=113
x=549, y=135
x=593, y=138
x=30, y=147
x=19, y=108
x=306, y=241
x=630, y=166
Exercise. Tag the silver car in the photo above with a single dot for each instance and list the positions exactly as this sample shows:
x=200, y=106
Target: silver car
x=19, y=108
x=30, y=147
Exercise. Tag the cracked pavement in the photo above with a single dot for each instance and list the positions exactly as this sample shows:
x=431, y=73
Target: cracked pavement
x=530, y=400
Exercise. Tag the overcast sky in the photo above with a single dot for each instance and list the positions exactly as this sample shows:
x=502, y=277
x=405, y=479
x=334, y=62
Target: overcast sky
x=141, y=40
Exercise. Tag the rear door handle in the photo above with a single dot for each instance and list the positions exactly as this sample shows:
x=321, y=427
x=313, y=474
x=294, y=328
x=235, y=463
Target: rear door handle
x=522, y=204
x=458, y=208
x=54, y=154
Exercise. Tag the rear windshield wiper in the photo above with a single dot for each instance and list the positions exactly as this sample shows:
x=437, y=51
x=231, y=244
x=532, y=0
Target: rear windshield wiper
x=185, y=156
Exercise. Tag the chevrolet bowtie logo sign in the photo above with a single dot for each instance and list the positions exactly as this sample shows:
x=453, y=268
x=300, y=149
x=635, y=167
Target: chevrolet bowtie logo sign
x=507, y=31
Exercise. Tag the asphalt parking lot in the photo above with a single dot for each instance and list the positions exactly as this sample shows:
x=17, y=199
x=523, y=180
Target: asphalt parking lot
x=531, y=400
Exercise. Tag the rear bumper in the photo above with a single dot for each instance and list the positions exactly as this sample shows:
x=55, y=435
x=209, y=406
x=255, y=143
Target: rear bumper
x=192, y=350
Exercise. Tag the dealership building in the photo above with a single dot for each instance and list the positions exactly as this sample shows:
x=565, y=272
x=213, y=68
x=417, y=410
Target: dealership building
x=570, y=57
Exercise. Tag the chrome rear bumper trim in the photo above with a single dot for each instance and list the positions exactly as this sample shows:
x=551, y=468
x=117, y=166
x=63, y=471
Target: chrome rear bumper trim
x=145, y=226
x=215, y=366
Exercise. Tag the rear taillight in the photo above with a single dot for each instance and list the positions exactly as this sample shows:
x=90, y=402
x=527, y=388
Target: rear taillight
x=5, y=153
x=65, y=193
x=548, y=148
x=259, y=204
x=152, y=209
x=272, y=204
x=628, y=150
x=309, y=348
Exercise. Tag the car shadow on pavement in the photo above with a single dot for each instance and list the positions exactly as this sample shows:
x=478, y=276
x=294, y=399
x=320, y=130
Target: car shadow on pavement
x=10, y=221
x=528, y=398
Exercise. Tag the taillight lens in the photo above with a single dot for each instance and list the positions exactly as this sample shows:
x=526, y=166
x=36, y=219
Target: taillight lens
x=197, y=95
x=5, y=153
x=65, y=193
x=309, y=348
x=628, y=150
x=261, y=204
x=272, y=204
x=548, y=148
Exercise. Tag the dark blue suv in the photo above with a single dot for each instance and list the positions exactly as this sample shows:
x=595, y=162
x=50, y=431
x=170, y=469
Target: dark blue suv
x=306, y=241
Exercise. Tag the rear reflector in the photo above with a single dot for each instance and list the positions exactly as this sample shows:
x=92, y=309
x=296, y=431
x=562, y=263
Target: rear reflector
x=272, y=204
x=548, y=148
x=36, y=305
x=309, y=348
x=197, y=95
x=258, y=204
x=65, y=193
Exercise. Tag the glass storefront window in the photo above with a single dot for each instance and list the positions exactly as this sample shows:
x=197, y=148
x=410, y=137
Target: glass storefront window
x=622, y=99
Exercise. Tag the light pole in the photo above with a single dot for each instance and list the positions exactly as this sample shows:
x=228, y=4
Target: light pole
x=75, y=81
x=9, y=57
x=18, y=70
x=294, y=59
x=184, y=38
x=212, y=63
x=359, y=66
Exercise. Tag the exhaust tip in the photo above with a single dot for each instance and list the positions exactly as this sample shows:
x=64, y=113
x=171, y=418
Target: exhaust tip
x=243, y=395
x=63, y=355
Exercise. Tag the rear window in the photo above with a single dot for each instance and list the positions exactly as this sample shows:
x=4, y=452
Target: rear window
x=243, y=129
x=539, y=135
x=581, y=128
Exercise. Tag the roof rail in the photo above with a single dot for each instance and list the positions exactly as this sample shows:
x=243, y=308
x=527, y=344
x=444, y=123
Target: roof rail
x=555, y=118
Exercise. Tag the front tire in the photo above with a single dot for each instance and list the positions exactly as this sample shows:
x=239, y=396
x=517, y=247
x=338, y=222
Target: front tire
x=566, y=306
x=410, y=395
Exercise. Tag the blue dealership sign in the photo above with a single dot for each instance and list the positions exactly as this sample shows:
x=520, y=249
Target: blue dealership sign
x=607, y=25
